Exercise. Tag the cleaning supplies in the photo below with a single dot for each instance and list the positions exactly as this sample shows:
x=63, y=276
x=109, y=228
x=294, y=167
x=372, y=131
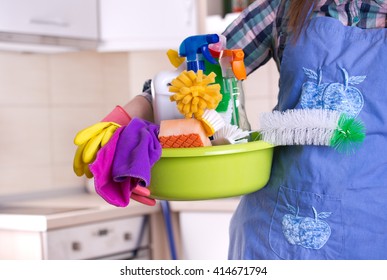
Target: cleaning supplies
x=216, y=50
x=195, y=92
x=312, y=127
x=92, y=138
x=211, y=172
x=194, y=50
x=182, y=133
x=230, y=134
x=137, y=150
x=212, y=121
x=89, y=141
x=122, y=167
x=162, y=107
x=112, y=192
x=233, y=72
x=174, y=58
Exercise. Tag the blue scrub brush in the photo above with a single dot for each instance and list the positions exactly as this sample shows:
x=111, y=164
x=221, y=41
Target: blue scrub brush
x=312, y=127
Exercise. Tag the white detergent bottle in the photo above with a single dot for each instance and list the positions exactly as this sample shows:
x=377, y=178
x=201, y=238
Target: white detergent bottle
x=195, y=49
x=163, y=108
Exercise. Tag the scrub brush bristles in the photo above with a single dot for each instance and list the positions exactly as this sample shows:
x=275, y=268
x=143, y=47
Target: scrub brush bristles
x=230, y=134
x=299, y=127
x=312, y=127
x=195, y=92
x=349, y=134
x=211, y=121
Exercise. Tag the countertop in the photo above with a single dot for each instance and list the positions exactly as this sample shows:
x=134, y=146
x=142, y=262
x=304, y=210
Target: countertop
x=66, y=210
x=74, y=209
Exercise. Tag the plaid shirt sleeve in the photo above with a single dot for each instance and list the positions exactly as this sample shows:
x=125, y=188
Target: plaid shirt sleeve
x=261, y=30
x=255, y=32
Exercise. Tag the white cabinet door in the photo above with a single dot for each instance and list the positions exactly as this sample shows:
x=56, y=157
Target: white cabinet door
x=205, y=235
x=146, y=24
x=59, y=18
x=96, y=240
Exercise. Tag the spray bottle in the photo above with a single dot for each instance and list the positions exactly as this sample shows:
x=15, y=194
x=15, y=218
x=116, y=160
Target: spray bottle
x=215, y=50
x=195, y=50
x=163, y=109
x=234, y=72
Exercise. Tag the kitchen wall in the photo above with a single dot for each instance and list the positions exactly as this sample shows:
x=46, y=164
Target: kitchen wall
x=46, y=98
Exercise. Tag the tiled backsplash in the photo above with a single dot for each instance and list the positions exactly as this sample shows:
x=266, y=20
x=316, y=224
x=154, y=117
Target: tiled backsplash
x=45, y=99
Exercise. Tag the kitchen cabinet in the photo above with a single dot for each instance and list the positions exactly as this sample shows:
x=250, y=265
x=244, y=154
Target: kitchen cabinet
x=104, y=25
x=146, y=24
x=98, y=240
x=66, y=23
x=70, y=18
x=115, y=239
x=202, y=228
x=79, y=226
x=205, y=235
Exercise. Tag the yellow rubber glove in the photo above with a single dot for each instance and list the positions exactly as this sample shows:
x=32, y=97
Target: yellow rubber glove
x=93, y=138
x=89, y=141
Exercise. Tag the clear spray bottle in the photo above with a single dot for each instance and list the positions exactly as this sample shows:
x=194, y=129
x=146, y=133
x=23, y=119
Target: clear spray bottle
x=234, y=72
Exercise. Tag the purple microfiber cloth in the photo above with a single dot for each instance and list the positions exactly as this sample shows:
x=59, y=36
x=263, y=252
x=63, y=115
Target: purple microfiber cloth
x=138, y=149
x=112, y=192
x=126, y=161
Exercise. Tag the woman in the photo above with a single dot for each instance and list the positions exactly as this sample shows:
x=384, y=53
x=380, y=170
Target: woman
x=318, y=204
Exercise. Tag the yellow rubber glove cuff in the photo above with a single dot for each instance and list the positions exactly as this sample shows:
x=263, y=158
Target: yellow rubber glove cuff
x=89, y=141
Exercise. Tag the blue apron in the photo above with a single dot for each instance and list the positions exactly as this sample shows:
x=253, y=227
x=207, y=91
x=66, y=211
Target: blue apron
x=319, y=203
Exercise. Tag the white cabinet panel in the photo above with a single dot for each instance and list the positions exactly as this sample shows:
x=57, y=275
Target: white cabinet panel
x=105, y=25
x=67, y=18
x=205, y=235
x=146, y=24
x=96, y=240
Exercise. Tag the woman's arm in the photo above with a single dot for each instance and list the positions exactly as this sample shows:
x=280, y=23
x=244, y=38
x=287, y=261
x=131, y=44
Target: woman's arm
x=139, y=107
x=255, y=31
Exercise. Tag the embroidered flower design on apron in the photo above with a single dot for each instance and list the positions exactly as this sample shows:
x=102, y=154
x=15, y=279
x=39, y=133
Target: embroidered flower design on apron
x=310, y=233
x=342, y=97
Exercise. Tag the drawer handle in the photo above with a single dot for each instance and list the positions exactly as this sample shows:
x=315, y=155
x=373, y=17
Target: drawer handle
x=127, y=236
x=103, y=232
x=76, y=246
x=50, y=21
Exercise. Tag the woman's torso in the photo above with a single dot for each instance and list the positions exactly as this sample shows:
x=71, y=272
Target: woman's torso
x=262, y=29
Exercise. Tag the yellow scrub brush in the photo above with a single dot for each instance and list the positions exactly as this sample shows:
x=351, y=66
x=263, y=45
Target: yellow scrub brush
x=195, y=92
x=312, y=127
x=211, y=121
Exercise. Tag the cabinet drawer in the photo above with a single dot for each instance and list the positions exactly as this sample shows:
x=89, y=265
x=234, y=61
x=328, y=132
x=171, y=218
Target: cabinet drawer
x=65, y=18
x=96, y=240
x=146, y=24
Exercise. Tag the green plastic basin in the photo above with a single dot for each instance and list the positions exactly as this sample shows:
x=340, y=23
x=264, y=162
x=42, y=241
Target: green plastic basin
x=211, y=172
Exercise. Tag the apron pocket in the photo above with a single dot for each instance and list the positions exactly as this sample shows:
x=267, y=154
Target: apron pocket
x=306, y=225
